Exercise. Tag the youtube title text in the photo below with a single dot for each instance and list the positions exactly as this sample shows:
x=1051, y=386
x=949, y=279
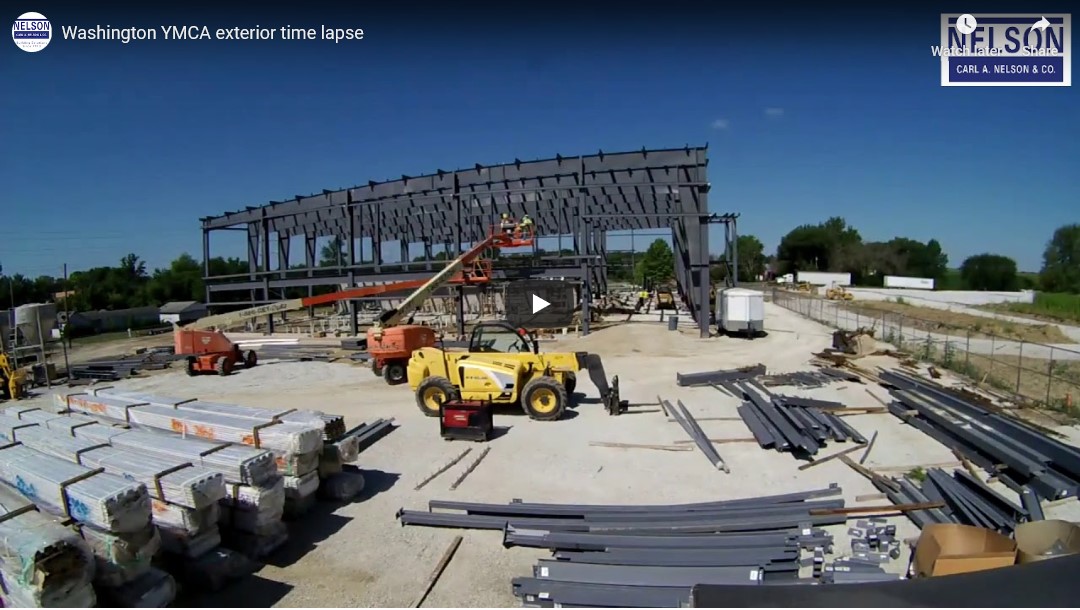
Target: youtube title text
x=202, y=32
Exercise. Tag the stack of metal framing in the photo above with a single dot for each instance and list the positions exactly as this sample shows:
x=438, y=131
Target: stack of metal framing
x=249, y=516
x=790, y=423
x=297, y=446
x=112, y=514
x=184, y=497
x=648, y=556
x=1021, y=456
x=968, y=501
x=42, y=563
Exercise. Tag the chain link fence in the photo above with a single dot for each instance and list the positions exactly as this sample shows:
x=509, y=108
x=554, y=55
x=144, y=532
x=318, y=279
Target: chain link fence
x=1043, y=374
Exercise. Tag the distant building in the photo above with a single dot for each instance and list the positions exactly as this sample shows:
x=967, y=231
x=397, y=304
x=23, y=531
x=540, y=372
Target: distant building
x=108, y=321
x=182, y=312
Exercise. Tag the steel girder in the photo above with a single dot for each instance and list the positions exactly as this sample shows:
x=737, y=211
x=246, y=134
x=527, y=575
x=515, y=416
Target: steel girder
x=583, y=197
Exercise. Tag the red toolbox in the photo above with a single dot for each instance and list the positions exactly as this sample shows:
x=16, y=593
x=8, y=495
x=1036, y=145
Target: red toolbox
x=465, y=420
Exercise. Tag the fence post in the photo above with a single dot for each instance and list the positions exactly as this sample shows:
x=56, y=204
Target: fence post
x=900, y=343
x=967, y=354
x=1019, y=366
x=1049, y=376
x=836, y=322
x=993, y=349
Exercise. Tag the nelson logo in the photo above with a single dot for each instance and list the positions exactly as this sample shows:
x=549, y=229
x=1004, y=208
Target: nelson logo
x=1005, y=50
x=31, y=32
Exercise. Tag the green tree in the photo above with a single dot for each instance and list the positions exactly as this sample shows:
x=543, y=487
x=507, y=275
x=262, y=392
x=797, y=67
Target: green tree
x=829, y=246
x=751, y=258
x=1061, y=261
x=657, y=264
x=334, y=254
x=989, y=272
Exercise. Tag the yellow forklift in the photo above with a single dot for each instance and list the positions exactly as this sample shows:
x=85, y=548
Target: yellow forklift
x=13, y=382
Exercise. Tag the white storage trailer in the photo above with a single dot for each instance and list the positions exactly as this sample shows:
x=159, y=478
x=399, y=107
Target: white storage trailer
x=822, y=278
x=739, y=310
x=899, y=281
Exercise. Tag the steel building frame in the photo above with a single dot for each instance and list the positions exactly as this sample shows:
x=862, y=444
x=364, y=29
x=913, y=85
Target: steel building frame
x=583, y=198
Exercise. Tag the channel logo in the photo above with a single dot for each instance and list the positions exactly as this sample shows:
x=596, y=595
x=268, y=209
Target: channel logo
x=31, y=32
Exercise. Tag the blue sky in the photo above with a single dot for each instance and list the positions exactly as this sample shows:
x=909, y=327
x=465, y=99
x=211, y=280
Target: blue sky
x=109, y=148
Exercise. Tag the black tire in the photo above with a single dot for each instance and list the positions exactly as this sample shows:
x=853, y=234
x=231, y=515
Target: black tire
x=191, y=367
x=544, y=399
x=432, y=391
x=394, y=373
x=378, y=370
x=250, y=359
x=223, y=366
x=5, y=394
x=571, y=384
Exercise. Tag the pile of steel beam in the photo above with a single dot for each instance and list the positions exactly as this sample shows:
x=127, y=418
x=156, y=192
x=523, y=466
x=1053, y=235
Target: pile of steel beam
x=809, y=379
x=716, y=377
x=248, y=516
x=788, y=423
x=649, y=555
x=1018, y=454
x=113, y=515
x=968, y=501
x=42, y=563
x=112, y=369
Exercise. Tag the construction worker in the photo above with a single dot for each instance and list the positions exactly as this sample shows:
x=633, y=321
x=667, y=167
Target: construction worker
x=643, y=298
x=508, y=223
x=523, y=227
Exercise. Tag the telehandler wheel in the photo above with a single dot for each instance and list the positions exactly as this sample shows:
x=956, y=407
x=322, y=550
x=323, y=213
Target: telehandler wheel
x=191, y=367
x=394, y=373
x=250, y=359
x=376, y=369
x=223, y=366
x=571, y=384
x=434, y=391
x=544, y=399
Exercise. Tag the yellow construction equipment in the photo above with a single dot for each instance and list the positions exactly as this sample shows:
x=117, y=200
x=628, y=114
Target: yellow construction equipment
x=504, y=365
x=13, y=382
x=665, y=299
x=838, y=293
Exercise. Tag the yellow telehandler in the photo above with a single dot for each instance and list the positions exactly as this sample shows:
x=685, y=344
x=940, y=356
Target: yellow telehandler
x=504, y=365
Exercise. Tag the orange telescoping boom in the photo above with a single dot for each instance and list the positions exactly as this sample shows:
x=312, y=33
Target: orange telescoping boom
x=389, y=344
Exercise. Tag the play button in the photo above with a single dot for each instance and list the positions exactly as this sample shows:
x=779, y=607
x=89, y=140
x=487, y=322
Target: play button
x=534, y=304
x=539, y=304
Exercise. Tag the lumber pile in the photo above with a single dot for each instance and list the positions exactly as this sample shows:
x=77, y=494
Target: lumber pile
x=42, y=563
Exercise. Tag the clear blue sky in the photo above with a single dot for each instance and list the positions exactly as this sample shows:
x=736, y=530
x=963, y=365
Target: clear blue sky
x=110, y=148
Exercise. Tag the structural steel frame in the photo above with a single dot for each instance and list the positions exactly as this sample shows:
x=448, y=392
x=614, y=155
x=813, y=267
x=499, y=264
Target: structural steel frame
x=583, y=198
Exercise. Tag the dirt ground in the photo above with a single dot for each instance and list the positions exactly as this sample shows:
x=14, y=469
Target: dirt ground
x=357, y=554
x=936, y=320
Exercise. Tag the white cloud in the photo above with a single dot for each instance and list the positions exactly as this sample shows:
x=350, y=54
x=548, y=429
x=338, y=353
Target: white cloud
x=720, y=124
x=774, y=112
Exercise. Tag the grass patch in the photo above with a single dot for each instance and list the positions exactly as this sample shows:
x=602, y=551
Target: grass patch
x=1052, y=384
x=943, y=321
x=1047, y=306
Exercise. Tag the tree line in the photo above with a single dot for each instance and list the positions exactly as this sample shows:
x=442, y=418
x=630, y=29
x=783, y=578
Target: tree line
x=832, y=245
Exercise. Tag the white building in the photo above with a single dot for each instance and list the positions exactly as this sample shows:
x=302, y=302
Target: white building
x=182, y=312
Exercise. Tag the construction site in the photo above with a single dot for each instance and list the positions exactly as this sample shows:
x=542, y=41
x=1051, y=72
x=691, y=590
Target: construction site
x=454, y=432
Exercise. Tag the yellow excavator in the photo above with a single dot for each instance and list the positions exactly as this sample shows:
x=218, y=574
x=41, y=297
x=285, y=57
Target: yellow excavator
x=503, y=365
x=13, y=382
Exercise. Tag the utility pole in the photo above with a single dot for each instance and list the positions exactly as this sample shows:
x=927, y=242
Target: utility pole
x=64, y=332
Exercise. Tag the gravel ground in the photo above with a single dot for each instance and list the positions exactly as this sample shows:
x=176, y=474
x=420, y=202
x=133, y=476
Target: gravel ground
x=358, y=555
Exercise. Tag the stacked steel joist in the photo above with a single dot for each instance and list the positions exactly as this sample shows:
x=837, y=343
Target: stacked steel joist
x=806, y=379
x=112, y=514
x=249, y=513
x=42, y=563
x=968, y=501
x=296, y=445
x=648, y=556
x=1019, y=455
x=790, y=423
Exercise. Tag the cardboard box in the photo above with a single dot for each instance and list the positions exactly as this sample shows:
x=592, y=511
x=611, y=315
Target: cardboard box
x=946, y=548
x=1039, y=540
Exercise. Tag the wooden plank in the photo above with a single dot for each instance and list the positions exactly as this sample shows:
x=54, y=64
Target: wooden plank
x=439, y=568
x=870, y=474
x=827, y=458
x=885, y=508
x=720, y=441
x=869, y=446
x=639, y=446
